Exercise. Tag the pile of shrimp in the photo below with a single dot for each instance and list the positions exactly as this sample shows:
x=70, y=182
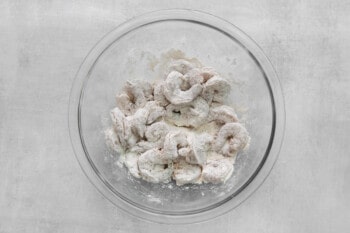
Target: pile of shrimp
x=178, y=128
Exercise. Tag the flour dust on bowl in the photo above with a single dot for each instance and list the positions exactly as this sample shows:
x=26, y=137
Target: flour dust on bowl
x=137, y=49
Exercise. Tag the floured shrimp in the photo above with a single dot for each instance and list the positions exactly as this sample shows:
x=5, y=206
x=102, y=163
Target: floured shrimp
x=231, y=138
x=200, y=75
x=155, y=135
x=159, y=96
x=140, y=90
x=185, y=173
x=200, y=146
x=157, y=132
x=192, y=78
x=154, y=167
x=154, y=111
x=223, y=114
x=192, y=115
x=130, y=162
x=138, y=122
x=122, y=129
x=125, y=103
x=185, y=152
x=182, y=66
x=217, y=170
x=136, y=94
x=173, y=142
x=112, y=140
x=216, y=89
x=177, y=128
x=173, y=92
x=207, y=73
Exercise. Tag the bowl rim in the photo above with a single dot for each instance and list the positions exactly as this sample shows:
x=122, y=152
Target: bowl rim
x=234, y=33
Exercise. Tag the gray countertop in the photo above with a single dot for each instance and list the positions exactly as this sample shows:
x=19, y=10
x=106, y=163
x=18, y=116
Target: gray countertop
x=42, y=44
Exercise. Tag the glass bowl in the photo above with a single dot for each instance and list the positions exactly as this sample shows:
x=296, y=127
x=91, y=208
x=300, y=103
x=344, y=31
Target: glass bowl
x=131, y=52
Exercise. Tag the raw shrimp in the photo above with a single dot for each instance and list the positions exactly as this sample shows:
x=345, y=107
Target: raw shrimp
x=159, y=95
x=207, y=73
x=157, y=132
x=125, y=104
x=154, y=111
x=173, y=92
x=130, y=162
x=231, y=138
x=200, y=145
x=138, y=122
x=192, y=115
x=155, y=135
x=216, y=89
x=200, y=75
x=182, y=66
x=122, y=129
x=173, y=142
x=185, y=151
x=185, y=173
x=177, y=128
x=154, y=167
x=217, y=170
x=112, y=140
x=223, y=114
x=136, y=94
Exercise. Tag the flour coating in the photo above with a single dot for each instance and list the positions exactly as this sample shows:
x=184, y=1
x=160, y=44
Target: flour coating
x=178, y=128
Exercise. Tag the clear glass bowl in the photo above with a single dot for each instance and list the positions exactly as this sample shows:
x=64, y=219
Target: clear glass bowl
x=128, y=52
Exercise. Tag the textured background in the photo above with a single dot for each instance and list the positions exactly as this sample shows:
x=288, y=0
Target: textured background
x=42, y=188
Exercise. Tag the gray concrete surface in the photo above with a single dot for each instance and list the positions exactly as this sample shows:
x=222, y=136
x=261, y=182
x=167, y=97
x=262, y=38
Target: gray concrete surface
x=42, y=188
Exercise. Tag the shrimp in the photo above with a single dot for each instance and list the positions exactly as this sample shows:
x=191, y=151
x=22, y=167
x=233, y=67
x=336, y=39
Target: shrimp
x=217, y=170
x=135, y=95
x=157, y=132
x=173, y=92
x=200, y=75
x=154, y=111
x=223, y=114
x=138, y=122
x=155, y=135
x=216, y=89
x=142, y=146
x=185, y=173
x=231, y=138
x=125, y=104
x=122, y=129
x=207, y=73
x=173, y=142
x=200, y=145
x=185, y=151
x=182, y=66
x=154, y=167
x=130, y=162
x=112, y=140
x=192, y=115
x=140, y=90
x=191, y=78
x=159, y=97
